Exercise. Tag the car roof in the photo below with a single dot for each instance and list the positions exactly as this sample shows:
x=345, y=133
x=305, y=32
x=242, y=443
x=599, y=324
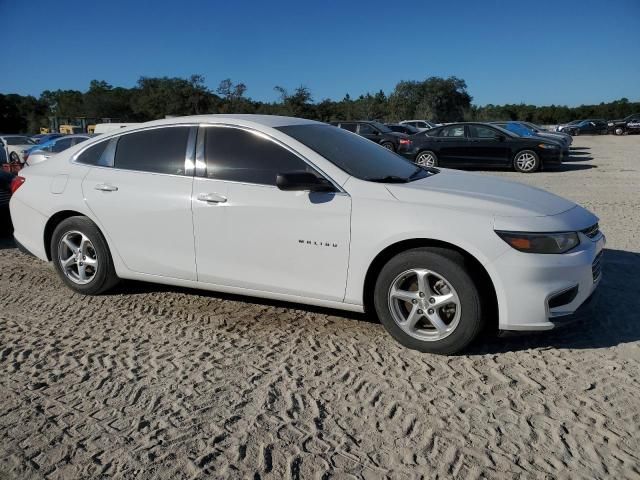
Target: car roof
x=239, y=119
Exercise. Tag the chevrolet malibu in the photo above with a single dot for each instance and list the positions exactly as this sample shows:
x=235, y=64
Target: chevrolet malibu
x=301, y=211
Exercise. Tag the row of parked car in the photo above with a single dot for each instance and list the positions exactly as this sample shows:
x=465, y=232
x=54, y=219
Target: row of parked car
x=599, y=126
x=522, y=146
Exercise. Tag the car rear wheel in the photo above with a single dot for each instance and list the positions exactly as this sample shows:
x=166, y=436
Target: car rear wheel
x=428, y=302
x=14, y=157
x=427, y=159
x=618, y=131
x=526, y=161
x=388, y=146
x=81, y=256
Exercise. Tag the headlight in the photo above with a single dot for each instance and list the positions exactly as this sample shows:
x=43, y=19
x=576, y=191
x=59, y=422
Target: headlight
x=610, y=124
x=547, y=146
x=541, y=242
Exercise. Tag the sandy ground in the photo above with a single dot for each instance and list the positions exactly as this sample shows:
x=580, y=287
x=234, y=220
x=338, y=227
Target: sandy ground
x=156, y=382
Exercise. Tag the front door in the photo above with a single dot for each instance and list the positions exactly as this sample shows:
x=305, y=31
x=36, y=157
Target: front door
x=250, y=234
x=487, y=147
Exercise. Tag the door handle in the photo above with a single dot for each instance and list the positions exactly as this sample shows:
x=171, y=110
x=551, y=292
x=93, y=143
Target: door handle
x=212, y=198
x=104, y=187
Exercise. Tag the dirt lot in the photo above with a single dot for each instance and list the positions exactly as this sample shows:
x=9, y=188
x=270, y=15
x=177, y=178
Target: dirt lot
x=155, y=382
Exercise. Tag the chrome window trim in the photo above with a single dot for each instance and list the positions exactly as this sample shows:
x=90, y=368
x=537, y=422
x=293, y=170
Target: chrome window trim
x=200, y=155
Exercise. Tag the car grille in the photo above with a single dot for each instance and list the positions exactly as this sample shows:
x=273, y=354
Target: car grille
x=596, y=267
x=592, y=231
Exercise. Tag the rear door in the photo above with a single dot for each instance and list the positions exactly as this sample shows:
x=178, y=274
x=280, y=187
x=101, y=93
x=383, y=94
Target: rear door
x=140, y=191
x=453, y=146
x=369, y=132
x=250, y=234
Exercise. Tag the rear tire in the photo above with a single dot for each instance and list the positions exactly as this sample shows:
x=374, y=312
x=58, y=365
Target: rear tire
x=81, y=256
x=618, y=131
x=526, y=161
x=427, y=158
x=388, y=146
x=446, y=318
x=14, y=157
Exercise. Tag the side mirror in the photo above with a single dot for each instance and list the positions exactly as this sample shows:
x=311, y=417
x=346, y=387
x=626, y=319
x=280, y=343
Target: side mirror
x=303, y=181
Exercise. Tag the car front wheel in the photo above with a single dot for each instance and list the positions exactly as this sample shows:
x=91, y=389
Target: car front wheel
x=81, y=256
x=526, y=161
x=618, y=131
x=427, y=301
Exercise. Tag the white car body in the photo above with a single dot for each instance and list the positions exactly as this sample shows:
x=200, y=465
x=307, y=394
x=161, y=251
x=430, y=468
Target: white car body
x=18, y=149
x=110, y=127
x=283, y=245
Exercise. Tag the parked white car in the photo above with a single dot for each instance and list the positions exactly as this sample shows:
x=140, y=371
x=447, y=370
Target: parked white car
x=15, y=146
x=301, y=211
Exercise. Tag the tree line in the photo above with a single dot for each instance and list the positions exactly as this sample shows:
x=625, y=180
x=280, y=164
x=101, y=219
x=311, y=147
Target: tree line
x=435, y=98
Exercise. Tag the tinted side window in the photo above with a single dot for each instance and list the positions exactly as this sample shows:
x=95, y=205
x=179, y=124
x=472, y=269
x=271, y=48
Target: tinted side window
x=242, y=156
x=349, y=126
x=93, y=154
x=160, y=150
x=366, y=129
x=455, y=131
x=477, y=131
x=61, y=145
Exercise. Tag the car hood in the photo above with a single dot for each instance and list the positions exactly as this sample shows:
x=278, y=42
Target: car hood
x=491, y=195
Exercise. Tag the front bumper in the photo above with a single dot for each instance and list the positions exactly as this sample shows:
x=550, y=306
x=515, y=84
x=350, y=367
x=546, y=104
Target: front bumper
x=530, y=281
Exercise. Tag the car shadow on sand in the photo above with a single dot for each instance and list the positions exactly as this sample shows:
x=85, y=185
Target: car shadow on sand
x=572, y=158
x=615, y=320
x=570, y=167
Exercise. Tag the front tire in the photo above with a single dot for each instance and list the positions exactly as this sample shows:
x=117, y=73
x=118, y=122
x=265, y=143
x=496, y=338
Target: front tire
x=427, y=158
x=81, y=256
x=619, y=131
x=14, y=157
x=427, y=301
x=526, y=161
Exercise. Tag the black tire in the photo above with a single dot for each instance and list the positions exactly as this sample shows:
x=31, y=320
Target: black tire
x=425, y=154
x=104, y=277
x=522, y=169
x=14, y=157
x=449, y=265
x=576, y=132
x=388, y=146
x=618, y=131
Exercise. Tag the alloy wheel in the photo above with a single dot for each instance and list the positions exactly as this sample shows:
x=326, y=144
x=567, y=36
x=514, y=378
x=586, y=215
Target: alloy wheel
x=78, y=258
x=526, y=162
x=424, y=304
x=426, y=159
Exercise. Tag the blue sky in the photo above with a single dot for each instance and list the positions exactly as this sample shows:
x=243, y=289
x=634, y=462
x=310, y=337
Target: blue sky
x=539, y=52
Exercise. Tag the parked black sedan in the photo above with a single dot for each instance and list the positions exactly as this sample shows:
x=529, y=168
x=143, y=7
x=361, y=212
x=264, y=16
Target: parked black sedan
x=480, y=145
x=376, y=132
x=587, y=127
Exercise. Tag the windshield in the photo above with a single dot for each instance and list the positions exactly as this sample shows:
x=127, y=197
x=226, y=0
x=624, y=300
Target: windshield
x=354, y=154
x=518, y=129
x=19, y=141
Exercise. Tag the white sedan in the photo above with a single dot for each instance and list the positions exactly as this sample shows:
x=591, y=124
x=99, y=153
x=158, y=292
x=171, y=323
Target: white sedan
x=301, y=211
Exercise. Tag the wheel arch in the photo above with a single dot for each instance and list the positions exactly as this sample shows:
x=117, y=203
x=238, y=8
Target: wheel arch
x=477, y=270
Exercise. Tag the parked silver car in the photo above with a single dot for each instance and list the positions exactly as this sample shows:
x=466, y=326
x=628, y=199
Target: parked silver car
x=42, y=152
